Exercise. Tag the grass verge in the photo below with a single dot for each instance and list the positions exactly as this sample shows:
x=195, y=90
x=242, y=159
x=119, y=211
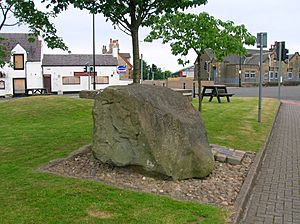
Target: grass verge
x=235, y=124
x=35, y=130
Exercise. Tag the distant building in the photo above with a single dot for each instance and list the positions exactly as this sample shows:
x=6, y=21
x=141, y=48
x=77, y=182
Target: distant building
x=24, y=64
x=123, y=58
x=245, y=70
x=28, y=68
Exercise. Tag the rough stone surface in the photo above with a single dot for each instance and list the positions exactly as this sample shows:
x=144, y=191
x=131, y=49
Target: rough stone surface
x=88, y=94
x=220, y=188
x=224, y=154
x=151, y=127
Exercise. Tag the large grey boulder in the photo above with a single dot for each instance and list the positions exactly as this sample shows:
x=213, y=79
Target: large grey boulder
x=152, y=127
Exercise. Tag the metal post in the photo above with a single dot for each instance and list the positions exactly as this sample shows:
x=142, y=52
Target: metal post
x=260, y=77
x=142, y=68
x=89, y=77
x=279, y=69
x=94, y=54
x=240, y=72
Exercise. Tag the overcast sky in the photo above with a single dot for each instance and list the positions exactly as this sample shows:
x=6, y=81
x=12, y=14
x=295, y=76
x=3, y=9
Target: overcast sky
x=280, y=19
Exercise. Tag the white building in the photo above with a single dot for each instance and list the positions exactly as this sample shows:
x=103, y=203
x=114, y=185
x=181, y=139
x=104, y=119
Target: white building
x=28, y=68
x=24, y=64
x=65, y=73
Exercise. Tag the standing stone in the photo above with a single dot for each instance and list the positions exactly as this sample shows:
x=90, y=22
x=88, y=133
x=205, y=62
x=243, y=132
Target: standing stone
x=152, y=127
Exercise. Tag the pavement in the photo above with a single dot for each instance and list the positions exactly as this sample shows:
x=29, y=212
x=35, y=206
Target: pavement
x=275, y=197
x=286, y=92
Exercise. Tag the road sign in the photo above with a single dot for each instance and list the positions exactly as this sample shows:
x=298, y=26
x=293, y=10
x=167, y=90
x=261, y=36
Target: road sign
x=262, y=41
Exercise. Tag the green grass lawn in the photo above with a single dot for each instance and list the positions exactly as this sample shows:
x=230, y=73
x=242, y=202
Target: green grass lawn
x=35, y=130
x=235, y=124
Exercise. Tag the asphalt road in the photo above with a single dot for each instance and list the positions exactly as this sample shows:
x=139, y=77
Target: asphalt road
x=287, y=92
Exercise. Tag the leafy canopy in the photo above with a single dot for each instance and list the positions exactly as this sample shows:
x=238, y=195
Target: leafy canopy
x=187, y=32
x=26, y=12
x=128, y=15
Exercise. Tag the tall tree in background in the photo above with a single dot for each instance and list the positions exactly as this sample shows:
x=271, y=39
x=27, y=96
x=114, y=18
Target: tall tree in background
x=129, y=16
x=187, y=32
x=25, y=12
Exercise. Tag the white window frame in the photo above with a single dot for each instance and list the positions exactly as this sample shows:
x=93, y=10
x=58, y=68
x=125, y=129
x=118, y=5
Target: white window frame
x=271, y=74
x=71, y=80
x=253, y=75
x=247, y=74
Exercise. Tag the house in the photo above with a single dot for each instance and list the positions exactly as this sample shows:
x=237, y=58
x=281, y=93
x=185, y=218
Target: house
x=124, y=64
x=65, y=73
x=28, y=68
x=23, y=69
x=237, y=70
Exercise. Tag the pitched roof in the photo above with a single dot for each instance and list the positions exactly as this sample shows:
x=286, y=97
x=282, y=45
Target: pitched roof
x=252, y=57
x=78, y=60
x=255, y=58
x=34, y=49
x=125, y=55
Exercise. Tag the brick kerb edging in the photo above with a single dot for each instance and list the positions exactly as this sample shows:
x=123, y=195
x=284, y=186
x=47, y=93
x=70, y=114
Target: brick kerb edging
x=244, y=194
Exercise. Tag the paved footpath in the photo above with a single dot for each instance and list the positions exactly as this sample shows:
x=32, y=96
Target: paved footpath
x=276, y=194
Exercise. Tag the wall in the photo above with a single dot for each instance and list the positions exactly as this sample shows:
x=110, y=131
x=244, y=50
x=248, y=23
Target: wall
x=34, y=75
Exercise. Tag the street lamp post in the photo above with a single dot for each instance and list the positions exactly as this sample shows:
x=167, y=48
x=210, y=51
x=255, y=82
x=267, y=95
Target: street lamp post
x=94, y=54
x=240, y=72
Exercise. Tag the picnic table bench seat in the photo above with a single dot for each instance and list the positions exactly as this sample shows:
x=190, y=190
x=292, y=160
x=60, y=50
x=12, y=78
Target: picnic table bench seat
x=216, y=91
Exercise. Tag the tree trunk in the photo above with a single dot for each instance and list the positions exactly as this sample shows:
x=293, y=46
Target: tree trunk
x=136, y=55
x=199, y=81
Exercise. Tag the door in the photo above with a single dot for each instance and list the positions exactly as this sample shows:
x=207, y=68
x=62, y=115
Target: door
x=47, y=83
x=19, y=86
x=215, y=73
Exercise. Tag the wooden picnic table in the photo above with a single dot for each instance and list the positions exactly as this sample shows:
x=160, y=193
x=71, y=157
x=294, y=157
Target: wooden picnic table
x=216, y=91
x=36, y=91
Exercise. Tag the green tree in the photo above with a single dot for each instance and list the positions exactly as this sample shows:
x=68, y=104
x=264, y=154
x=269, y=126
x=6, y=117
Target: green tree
x=38, y=22
x=129, y=16
x=158, y=73
x=187, y=32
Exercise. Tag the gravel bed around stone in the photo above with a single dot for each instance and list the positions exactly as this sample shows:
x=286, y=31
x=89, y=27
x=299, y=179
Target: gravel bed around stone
x=220, y=188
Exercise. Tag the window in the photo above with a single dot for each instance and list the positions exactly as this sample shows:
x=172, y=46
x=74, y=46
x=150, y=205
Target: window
x=102, y=80
x=2, y=85
x=2, y=75
x=72, y=80
x=247, y=74
x=290, y=75
x=271, y=75
x=250, y=74
x=18, y=61
x=276, y=75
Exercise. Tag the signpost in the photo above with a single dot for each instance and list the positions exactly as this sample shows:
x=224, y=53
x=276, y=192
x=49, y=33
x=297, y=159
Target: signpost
x=261, y=43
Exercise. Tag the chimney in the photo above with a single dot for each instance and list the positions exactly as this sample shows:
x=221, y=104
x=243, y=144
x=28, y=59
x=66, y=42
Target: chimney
x=104, y=50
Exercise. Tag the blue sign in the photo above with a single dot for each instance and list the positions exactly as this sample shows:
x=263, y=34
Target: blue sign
x=121, y=69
